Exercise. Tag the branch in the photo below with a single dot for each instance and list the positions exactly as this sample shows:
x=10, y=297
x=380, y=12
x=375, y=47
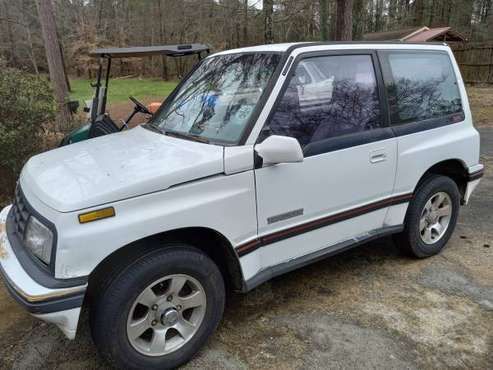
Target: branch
x=13, y=21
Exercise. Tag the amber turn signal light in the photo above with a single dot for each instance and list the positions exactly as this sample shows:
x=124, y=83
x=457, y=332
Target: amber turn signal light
x=99, y=214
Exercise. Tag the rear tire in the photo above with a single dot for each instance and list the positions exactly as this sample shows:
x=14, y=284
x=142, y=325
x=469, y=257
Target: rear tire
x=172, y=330
x=431, y=217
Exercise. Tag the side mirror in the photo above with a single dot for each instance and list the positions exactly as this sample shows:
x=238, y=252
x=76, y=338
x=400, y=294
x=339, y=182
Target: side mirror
x=280, y=149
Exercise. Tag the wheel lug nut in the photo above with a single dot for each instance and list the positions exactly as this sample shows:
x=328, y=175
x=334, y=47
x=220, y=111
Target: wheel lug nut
x=170, y=298
x=154, y=307
x=178, y=307
x=154, y=322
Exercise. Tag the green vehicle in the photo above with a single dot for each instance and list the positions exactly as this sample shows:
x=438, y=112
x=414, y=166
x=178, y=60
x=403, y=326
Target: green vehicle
x=99, y=122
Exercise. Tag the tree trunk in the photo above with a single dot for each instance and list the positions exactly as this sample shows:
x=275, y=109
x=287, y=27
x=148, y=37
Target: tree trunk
x=344, y=19
x=55, y=63
x=392, y=14
x=10, y=34
x=324, y=36
x=162, y=36
x=379, y=16
x=371, y=17
x=268, y=9
x=99, y=18
x=333, y=20
x=419, y=12
x=65, y=74
x=463, y=17
x=29, y=38
x=359, y=19
x=245, y=22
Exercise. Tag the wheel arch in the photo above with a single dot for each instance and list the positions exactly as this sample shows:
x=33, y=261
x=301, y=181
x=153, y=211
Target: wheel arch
x=209, y=241
x=454, y=168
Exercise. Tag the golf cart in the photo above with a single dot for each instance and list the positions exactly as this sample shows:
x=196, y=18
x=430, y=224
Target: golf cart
x=99, y=122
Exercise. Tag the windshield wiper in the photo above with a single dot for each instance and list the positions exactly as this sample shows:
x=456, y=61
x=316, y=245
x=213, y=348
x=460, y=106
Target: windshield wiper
x=187, y=136
x=154, y=128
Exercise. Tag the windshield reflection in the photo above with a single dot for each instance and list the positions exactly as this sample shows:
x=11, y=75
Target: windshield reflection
x=217, y=100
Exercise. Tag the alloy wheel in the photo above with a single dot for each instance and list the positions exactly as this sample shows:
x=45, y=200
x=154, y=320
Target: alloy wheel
x=435, y=218
x=166, y=315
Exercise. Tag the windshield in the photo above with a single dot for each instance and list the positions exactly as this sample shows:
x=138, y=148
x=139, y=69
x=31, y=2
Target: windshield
x=216, y=101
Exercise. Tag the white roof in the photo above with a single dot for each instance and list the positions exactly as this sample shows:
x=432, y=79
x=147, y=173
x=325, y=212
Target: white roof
x=260, y=48
x=336, y=46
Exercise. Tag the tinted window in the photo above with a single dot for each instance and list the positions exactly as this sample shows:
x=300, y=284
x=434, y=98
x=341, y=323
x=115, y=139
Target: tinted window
x=327, y=97
x=422, y=86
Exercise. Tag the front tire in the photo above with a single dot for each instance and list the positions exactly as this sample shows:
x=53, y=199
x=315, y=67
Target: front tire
x=431, y=217
x=159, y=311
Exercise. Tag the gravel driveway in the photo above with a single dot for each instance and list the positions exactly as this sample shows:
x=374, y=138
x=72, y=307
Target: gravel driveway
x=371, y=307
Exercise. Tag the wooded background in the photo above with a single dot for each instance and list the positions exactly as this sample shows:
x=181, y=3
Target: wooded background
x=83, y=25
x=475, y=61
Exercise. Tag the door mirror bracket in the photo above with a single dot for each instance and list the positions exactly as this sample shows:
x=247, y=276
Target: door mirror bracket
x=279, y=149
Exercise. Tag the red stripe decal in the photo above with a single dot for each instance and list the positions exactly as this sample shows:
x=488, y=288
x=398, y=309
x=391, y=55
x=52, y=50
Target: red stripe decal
x=289, y=232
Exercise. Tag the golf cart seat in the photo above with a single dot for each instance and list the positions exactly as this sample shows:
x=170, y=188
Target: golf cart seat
x=104, y=125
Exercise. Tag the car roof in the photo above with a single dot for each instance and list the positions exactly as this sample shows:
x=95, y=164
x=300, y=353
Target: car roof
x=284, y=47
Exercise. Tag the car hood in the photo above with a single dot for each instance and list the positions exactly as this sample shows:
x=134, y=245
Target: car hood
x=115, y=167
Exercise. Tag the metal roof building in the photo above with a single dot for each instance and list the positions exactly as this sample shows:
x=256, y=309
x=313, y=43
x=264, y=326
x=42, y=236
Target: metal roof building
x=417, y=34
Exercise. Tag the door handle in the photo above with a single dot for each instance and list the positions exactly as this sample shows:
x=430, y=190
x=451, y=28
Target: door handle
x=377, y=156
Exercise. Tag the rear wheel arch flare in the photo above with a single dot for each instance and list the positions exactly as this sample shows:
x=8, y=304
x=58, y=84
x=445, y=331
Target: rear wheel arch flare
x=454, y=168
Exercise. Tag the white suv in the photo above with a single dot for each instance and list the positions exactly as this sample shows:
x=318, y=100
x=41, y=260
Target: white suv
x=262, y=160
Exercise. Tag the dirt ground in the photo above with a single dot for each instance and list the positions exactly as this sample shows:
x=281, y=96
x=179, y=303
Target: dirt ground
x=371, y=307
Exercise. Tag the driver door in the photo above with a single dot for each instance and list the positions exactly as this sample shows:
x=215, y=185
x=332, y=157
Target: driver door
x=342, y=188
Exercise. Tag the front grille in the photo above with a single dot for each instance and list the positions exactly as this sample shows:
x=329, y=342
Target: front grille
x=20, y=213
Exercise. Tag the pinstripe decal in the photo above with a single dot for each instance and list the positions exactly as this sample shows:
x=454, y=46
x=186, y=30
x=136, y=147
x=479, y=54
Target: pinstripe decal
x=290, y=232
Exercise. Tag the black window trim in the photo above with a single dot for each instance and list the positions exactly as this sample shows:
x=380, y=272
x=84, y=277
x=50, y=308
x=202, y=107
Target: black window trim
x=411, y=127
x=348, y=140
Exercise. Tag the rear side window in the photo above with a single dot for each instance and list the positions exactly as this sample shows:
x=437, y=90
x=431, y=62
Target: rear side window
x=420, y=85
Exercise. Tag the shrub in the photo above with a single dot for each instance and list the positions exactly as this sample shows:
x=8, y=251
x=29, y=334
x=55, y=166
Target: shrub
x=26, y=107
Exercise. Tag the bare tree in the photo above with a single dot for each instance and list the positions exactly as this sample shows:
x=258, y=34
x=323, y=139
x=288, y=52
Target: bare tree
x=245, y=22
x=419, y=12
x=344, y=19
x=360, y=17
x=268, y=9
x=29, y=38
x=10, y=33
x=87, y=24
x=323, y=20
x=162, y=36
x=55, y=62
x=379, y=15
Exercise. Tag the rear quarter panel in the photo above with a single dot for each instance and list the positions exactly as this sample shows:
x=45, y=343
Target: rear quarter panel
x=420, y=151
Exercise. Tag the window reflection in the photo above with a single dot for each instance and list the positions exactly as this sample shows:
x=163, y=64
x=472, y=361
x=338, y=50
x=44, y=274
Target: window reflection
x=423, y=87
x=217, y=100
x=327, y=97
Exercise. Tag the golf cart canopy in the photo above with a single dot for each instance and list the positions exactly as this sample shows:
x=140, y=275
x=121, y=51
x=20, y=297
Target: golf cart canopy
x=142, y=51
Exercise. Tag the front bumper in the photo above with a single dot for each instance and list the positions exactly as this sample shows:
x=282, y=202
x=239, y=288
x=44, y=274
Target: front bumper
x=59, y=306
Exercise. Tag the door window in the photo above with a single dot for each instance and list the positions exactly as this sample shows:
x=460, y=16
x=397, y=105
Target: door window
x=326, y=97
x=422, y=86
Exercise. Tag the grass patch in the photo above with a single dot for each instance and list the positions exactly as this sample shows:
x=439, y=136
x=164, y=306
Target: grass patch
x=481, y=101
x=120, y=90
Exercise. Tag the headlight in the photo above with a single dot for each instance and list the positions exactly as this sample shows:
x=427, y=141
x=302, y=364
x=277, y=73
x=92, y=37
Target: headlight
x=39, y=239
